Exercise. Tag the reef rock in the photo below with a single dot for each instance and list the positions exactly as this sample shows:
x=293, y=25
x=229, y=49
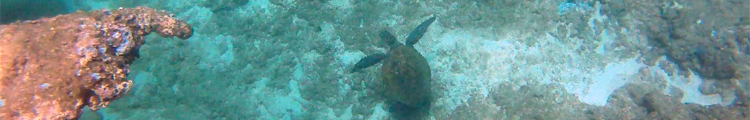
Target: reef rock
x=52, y=68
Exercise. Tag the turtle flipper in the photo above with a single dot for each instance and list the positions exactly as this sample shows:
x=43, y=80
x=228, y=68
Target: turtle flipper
x=401, y=111
x=368, y=61
x=418, y=32
x=389, y=38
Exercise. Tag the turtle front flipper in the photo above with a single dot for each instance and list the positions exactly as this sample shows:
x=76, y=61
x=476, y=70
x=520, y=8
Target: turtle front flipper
x=418, y=32
x=368, y=61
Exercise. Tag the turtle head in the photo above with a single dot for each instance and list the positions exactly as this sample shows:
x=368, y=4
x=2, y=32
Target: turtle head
x=389, y=38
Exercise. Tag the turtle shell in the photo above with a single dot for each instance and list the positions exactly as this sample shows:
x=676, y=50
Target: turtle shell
x=406, y=76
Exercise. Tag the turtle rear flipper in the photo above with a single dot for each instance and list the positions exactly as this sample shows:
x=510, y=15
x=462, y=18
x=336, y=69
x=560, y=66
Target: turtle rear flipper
x=418, y=32
x=368, y=61
x=401, y=111
x=398, y=107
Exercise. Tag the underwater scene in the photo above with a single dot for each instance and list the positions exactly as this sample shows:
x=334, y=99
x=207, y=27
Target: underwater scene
x=376, y=59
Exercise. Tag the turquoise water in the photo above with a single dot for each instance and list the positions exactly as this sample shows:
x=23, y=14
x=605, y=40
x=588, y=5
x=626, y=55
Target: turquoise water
x=288, y=60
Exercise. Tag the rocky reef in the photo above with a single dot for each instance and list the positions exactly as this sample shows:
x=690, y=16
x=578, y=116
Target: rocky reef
x=52, y=68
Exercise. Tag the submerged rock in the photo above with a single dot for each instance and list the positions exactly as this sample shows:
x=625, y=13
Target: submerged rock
x=52, y=68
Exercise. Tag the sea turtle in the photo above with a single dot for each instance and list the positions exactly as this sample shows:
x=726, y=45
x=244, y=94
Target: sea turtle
x=405, y=73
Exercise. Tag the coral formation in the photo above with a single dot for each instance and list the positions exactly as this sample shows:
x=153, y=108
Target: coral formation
x=52, y=68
